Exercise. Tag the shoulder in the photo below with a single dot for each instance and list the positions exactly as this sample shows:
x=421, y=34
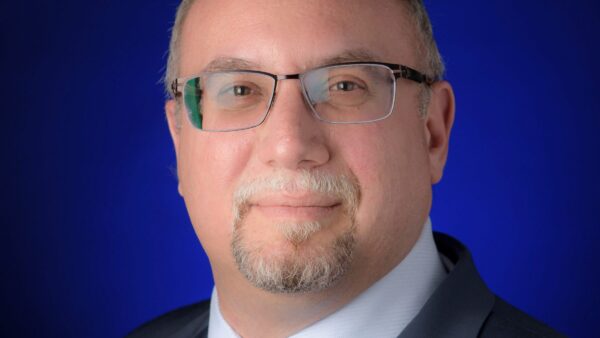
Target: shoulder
x=463, y=305
x=506, y=320
x=187, y=321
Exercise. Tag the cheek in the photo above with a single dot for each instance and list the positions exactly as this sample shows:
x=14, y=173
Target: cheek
x=384, y=158
x=391, y=166
x=208, y=167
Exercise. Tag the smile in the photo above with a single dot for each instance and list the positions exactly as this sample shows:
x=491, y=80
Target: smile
x=305, y=208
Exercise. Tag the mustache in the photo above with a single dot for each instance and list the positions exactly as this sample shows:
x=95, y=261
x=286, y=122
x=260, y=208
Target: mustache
x=344, y=188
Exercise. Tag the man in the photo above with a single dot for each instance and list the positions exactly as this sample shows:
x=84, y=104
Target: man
x=308, y=135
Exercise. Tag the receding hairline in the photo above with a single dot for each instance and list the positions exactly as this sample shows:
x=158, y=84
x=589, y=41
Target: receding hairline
x=415, y=12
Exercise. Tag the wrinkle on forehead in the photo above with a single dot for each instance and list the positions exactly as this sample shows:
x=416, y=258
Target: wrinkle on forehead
x=234, y=63
x=282, y=38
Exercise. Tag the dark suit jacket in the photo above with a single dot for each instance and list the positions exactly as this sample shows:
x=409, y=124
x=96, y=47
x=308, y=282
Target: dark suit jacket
x=461, y=307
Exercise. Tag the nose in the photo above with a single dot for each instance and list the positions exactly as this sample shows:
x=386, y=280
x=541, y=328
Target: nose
x=291, y=137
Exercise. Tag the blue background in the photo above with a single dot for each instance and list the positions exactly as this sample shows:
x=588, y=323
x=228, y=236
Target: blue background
x=95, y=239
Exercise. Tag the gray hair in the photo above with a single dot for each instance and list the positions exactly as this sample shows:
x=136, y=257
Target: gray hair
x=427, y=49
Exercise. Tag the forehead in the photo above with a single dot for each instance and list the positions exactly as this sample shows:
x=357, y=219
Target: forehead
x=292, y=35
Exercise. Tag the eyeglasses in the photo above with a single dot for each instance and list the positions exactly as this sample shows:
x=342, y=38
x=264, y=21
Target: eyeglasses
x=356, y=92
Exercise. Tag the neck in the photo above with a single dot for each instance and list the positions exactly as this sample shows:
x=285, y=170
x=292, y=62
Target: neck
x=282, y=315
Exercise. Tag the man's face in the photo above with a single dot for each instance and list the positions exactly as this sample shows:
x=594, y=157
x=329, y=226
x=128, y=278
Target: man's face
x=287, y=222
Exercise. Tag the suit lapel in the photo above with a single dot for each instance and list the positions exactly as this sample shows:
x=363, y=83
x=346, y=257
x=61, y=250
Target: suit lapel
x=460, y=305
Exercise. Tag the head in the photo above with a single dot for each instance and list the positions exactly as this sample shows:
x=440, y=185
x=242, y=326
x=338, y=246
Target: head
x=296, y=204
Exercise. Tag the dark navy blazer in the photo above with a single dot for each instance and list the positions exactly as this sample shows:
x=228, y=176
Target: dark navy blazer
x=461, y=307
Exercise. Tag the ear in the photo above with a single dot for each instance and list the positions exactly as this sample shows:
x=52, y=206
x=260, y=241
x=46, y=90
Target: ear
x=438, y=124
x=171, y=113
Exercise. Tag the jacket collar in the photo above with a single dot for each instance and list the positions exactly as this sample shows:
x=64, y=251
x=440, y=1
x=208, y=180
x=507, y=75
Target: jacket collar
x=460, y=305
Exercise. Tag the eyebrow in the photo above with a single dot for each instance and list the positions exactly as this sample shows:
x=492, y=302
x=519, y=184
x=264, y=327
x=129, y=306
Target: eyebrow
x=232, y=63
x=351, y=55
x=228, y=63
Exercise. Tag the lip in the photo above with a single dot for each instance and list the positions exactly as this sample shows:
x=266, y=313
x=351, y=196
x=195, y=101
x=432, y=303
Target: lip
x=305, y=206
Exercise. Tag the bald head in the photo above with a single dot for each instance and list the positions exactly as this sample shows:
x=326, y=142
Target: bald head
x=431, y=60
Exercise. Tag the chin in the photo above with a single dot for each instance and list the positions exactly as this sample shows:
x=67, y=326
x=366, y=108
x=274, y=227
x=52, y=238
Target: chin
x=296, y=257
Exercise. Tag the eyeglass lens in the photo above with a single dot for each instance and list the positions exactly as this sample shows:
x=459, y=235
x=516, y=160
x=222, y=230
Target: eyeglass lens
x=233, y=100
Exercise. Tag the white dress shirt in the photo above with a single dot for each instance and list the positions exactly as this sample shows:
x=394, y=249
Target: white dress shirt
x=383, y=310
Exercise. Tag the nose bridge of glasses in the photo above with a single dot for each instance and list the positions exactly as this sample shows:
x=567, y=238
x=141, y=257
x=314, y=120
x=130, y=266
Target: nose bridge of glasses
x=288, y=77
x=297, y=76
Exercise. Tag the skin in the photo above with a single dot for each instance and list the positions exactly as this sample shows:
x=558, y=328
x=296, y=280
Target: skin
x=395, y=161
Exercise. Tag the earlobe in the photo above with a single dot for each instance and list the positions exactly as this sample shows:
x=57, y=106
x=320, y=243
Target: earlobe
x=439, y=121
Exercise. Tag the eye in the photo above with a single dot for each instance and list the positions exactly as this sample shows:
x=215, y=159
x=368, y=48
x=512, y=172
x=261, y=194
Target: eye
x=241, y=90
x=345, y=86
x=238, y=91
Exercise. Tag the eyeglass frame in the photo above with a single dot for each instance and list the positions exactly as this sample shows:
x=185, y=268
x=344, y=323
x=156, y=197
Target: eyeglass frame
x=398, y=71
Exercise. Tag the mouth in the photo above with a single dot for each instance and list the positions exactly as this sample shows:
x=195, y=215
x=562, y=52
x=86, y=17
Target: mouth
x=296, y=207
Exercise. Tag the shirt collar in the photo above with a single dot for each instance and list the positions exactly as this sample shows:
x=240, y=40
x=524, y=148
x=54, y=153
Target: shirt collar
x=383, y=310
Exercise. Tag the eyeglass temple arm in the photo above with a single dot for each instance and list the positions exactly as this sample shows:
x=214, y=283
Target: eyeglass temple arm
x=413, y=75
x=175, y=88
x=175, y=85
